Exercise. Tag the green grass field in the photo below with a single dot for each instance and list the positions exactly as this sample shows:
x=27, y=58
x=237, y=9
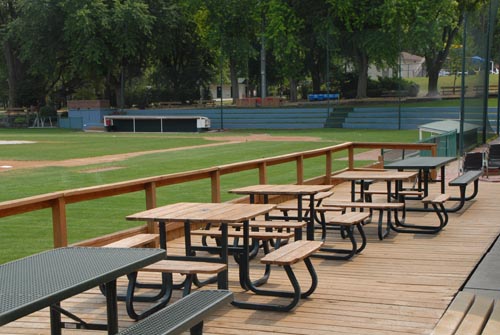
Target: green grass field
x=452, y=80
x=25, y=234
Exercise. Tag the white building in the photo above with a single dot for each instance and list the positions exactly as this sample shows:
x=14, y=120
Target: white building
x=411, y=66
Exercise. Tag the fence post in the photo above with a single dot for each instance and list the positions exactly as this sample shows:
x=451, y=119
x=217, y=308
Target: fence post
x=150, y=190
x=215, y=181
x=300, y=169
x=262, y=173
x=328, y=168
x=351, y=157
x=59, y=227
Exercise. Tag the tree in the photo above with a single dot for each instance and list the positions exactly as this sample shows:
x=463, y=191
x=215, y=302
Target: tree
x=283, y=31
x=367, y=33
x=434, y=28
x=14, y=67
x=182, y=60
x=229, y=26
x=90, y=40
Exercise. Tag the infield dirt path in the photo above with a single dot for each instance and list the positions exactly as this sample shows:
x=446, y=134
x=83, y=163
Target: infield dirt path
x=6, y=165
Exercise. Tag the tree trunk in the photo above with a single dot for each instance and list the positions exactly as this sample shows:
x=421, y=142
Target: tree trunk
x=316, y=79
x=235, y=90
x=14, y=71
x=293, y=90
x=362, y=60
x=433, y=74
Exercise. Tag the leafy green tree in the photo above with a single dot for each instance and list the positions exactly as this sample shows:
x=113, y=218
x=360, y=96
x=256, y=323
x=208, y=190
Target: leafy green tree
x=434, y=29
x=315, y=18
x=182, y=61
x=92, y=40
x=283, y=31
x=229, y=26
x=21, y=86
x=367, y=35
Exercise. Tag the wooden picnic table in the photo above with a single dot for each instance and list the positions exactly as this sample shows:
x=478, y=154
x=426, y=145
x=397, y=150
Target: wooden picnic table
x=215, y=213
x=383, y=175
x=298, y=191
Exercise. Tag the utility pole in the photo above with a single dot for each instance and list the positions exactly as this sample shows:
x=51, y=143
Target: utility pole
x=263, y=83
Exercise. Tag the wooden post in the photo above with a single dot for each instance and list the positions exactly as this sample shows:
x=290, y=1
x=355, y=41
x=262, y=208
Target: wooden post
x=59, y=224
x=263, y=173
x=351, y=157
x=434, y=154
x=215, y=180
x=150, y=189
x=328, y=168
x=300, y=169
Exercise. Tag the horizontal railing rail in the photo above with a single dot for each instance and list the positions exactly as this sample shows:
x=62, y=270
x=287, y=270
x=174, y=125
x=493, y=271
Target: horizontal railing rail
x=58, y=201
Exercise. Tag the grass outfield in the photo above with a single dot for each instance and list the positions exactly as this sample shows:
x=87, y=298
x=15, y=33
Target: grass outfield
x=26, y=234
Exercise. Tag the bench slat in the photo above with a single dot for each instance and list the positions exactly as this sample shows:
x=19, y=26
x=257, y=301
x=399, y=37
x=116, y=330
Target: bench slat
x=348, y=219
x=185, y=267
x=438, y=199
x=183, y=314
x=135, y=241
x=466, y=178
x=263, y=235
x=453, y=316
x=292, y=252
x=381, y=192
x=493, y=325
x=369, y=205
x=276, y=224
x=477, y=316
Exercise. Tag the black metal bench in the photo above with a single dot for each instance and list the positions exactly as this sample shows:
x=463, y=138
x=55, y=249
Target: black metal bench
x=186, y=313
x=463, y=181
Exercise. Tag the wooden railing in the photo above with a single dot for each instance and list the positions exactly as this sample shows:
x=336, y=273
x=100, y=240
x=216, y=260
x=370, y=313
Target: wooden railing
x=58, y=201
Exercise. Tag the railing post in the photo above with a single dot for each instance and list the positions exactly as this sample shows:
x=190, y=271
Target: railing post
x=351, y=157
x=150, y=189
x=328, y=168
x=262, y=173
x=300, y=169
x=215, y=181
x=59, y=224
x=434, y=152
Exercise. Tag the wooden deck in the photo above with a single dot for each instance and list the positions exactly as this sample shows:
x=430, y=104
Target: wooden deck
x=401, y=285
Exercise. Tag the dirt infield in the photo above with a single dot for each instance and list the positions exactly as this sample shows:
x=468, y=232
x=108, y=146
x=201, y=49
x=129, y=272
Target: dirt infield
x=6, y=165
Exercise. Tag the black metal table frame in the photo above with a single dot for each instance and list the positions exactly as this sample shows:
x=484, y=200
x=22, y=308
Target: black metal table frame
x=424, y=175
x=300, y=216
x=243, y=251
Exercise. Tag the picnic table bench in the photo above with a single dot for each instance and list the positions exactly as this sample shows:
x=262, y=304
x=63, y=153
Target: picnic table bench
x=167, y=267
x=346, y=223
x=470, y=314
x=286, y=256
x=451, y=90
x=492, y=89
x=186, y=313
x=437, y=204
x=381, y=207
x=463, y=181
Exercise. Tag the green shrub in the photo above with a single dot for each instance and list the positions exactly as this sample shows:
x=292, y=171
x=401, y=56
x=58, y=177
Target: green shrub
x=20, y=120
x=398, y=84
x=48, y=111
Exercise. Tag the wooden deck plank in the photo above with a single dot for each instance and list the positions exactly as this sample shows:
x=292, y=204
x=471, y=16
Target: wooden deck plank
x=401, y=285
